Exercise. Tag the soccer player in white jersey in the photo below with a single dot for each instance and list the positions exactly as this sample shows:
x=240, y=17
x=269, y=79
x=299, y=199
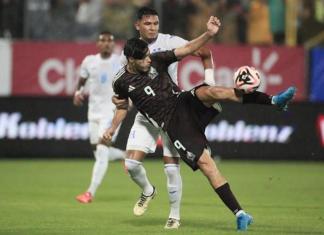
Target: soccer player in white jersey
x=143, y=136
x=98, y=72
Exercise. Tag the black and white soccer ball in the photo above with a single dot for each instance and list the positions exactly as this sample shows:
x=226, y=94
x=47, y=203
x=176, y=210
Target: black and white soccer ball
x=247, y=79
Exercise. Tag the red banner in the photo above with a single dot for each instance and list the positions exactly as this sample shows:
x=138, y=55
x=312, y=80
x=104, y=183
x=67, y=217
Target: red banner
x=47, y=68
x=280, y=67
x=52, y=68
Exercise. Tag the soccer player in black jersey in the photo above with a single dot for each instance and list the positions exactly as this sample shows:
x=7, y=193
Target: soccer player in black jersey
x=143, y=136
x=182, y=115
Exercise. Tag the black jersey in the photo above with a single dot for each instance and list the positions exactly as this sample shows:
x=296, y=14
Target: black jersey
x=153, y=93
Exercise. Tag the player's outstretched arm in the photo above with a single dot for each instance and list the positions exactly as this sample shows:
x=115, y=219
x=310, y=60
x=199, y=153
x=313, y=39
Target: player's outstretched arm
x=207, y=60
x=213, y=25
x=119, y=116
x=205, y=56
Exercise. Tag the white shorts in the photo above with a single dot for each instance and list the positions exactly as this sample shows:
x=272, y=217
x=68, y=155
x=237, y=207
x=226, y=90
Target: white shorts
x=97, y=128
x=143, y=137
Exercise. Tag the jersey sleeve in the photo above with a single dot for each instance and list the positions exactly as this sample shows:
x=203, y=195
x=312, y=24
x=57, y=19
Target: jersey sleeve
x=164, y=58
x=119, y=89
x=176, y=42
x=84, y=72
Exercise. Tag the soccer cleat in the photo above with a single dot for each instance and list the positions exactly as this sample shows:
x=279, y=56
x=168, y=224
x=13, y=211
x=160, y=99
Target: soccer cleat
x=85, y=197
x=282, y=99
x=172, y=224
x=243, y=221
x=142, y=203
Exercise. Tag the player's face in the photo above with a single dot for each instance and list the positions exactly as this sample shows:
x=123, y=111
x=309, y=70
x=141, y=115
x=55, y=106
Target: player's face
x=105, y=44
x=144, y=64
x=148, y=27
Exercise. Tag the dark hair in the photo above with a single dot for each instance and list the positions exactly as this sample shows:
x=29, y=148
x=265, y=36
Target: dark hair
x=145, y=11
x=135, y=48
x=105, y=32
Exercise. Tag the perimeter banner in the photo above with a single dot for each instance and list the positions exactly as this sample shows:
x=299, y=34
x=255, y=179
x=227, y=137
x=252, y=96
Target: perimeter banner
x=317, y=74
x=263, y=132
x=54, y=128
x=48, y=68
x=47, y=127
x=51, y=69
x=280, y=67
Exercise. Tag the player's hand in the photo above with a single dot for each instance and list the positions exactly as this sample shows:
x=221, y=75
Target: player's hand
x=120, y=103
x=78, y=98
x=107, y=137
x=213, y=25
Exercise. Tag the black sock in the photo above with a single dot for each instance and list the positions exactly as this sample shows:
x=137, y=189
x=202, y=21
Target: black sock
x=257, y=98
x=225, y=193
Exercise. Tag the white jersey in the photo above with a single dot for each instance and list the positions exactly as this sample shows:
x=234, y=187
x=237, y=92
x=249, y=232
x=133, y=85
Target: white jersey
x=99, y=73
x=165, y=42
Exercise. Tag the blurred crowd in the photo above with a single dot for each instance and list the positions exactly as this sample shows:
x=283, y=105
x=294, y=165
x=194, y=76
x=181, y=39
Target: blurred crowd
x=261, y=22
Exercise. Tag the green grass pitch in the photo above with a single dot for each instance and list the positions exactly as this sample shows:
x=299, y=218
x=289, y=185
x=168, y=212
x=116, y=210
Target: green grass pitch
x=37, y=197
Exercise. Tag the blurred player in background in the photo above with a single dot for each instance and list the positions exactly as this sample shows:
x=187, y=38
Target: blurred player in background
x=143, y=136
x=98, y=72
x=182, y=115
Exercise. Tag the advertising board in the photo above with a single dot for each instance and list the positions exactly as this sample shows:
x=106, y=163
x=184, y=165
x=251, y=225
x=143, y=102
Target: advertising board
x=53, y=127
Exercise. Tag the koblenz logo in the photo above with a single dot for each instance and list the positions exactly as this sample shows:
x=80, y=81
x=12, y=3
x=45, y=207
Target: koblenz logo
x=12, y=127
x=248, y=133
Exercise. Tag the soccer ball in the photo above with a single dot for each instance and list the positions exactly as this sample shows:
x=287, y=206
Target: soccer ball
x=247, y=79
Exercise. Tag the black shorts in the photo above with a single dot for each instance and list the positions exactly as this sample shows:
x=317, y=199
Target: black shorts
x=187, y=126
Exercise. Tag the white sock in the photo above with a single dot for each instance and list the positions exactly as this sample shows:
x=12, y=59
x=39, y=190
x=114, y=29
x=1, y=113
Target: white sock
x=116, y=154
x=239, y=213
x=99, y=168
x=138, y=174
x=174, y=185
x=272, y=101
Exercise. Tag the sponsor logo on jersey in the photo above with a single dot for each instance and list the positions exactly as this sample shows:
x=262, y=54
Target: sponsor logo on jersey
x=131, y=88
x=153, y=73
x=157, y=49
x=190, y=156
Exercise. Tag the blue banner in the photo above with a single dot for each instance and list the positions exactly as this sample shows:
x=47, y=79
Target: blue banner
x=317, y=74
